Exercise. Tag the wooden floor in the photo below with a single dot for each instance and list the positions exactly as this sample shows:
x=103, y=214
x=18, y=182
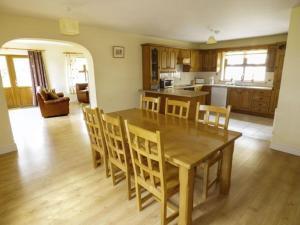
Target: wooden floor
x=51, y=181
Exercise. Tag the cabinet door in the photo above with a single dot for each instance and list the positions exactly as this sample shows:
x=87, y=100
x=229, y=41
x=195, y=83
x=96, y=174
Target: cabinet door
x=207, y=97
x=195, y=61
x=185, y=53
x=245, y=99
x=278, y=67
x=163, y=59
x=172, y=59
x=271, y=58
x=213, y=58
x=234, y=98
x=205, y=61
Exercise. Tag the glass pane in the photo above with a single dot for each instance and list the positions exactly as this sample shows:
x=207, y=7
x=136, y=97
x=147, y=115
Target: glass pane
x=4, y=72
x=255, y=73
x=235, y=59
x=256, y=58
x=233, y=72
x=23, y=74
x=79, y=70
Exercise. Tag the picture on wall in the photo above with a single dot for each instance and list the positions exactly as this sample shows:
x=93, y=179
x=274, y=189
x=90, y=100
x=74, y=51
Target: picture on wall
x=118, y=52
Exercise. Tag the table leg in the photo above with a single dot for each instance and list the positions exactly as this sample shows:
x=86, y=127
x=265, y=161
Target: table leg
x=226, y=169
x=186, y=178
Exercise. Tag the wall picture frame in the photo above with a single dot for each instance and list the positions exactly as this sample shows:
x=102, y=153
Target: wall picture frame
x=118, y=52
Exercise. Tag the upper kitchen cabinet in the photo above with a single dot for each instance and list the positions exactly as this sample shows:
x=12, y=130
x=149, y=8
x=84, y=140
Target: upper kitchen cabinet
x=168, y=59
x=196, y=61
x=184, y=56
x=209, y=60
x=277, y=76
x=151, y=67
x=271, y=59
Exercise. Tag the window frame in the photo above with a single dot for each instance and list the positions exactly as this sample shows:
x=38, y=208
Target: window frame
x=244, y=65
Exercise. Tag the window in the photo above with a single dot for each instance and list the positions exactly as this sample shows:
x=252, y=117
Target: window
x=76, y=71
x=23, y=73
x=4, y=73
x=245, y=65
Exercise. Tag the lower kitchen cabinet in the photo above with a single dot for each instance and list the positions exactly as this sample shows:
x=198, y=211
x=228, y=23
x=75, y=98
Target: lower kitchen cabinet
x=208, y=97
x=250, y=101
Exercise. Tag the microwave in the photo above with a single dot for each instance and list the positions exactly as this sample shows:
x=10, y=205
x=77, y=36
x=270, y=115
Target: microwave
x=166, y=83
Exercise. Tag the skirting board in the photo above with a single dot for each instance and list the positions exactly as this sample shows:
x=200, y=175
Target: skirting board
x=286, y=149
x=8, y=148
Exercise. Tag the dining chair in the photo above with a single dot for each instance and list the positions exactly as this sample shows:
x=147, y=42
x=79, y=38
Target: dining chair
x=118, y=151
x=92, y=118
x=217, y=113
x=151, y=172
x=150, y=103
x=177, y=108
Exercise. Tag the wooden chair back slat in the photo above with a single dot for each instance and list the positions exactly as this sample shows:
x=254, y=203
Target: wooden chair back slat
x=92, y=118
x=150, y=103
x=114, y=136
x=148, y=158
x=177, y=108
x=217, y=112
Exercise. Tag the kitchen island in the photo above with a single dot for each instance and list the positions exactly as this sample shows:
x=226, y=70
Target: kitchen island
x=181, y=95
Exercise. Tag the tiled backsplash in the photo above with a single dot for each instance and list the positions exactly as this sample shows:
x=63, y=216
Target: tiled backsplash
x=184, y=78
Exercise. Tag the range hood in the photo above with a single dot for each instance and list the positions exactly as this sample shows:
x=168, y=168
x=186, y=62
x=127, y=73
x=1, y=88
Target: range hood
x=184, y=61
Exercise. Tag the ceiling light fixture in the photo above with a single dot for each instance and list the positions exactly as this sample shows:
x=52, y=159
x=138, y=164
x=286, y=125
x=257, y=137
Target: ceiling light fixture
x=212, y=40
x=68, y=26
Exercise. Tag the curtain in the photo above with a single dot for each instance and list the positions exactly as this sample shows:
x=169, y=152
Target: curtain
x=38, y=73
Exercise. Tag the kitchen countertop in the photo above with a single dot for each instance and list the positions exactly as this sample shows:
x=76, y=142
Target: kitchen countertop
x=178, y=92
x=223, y=85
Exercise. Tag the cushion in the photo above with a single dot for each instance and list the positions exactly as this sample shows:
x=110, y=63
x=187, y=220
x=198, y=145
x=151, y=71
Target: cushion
x=52, y=95
x=44, y=94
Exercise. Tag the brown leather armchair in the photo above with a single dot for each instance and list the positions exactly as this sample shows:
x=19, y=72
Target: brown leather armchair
x=82, y=93
x=56, y=107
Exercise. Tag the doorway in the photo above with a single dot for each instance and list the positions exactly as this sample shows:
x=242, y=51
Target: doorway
x=16, y=79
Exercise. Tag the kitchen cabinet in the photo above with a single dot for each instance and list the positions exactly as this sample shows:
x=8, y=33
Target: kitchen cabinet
x=209, y=60
x=271, y=58
x=183, y=54
x=168, y=59
x=196, y=61
x=151, y=64
x=239, y=98
x=251, y=101
x=208, y=97
x=172, y=58
x=277, y=76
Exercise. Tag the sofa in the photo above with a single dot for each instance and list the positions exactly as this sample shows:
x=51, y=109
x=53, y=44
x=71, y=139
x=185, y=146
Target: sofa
x=53, y=107
x=82, y=93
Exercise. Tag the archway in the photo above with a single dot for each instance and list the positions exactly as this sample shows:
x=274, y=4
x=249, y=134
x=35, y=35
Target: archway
x=24, y=44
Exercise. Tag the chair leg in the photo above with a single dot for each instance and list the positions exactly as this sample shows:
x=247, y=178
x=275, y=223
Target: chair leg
x=128, y=180
x=163, y=212
x=106, y=164
x=112, y=172
x=138, y=196
x=205, y=181
x=94, y=158
x=219, y=170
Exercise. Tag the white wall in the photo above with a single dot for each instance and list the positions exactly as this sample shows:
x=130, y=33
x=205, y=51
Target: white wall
x=7, y=143
x=286, y=134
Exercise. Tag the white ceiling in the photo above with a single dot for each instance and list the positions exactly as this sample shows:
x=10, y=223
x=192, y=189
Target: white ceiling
x=176, y=19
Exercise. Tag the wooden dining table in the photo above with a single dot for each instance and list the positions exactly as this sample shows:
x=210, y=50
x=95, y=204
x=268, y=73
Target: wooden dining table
x=186, y=144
